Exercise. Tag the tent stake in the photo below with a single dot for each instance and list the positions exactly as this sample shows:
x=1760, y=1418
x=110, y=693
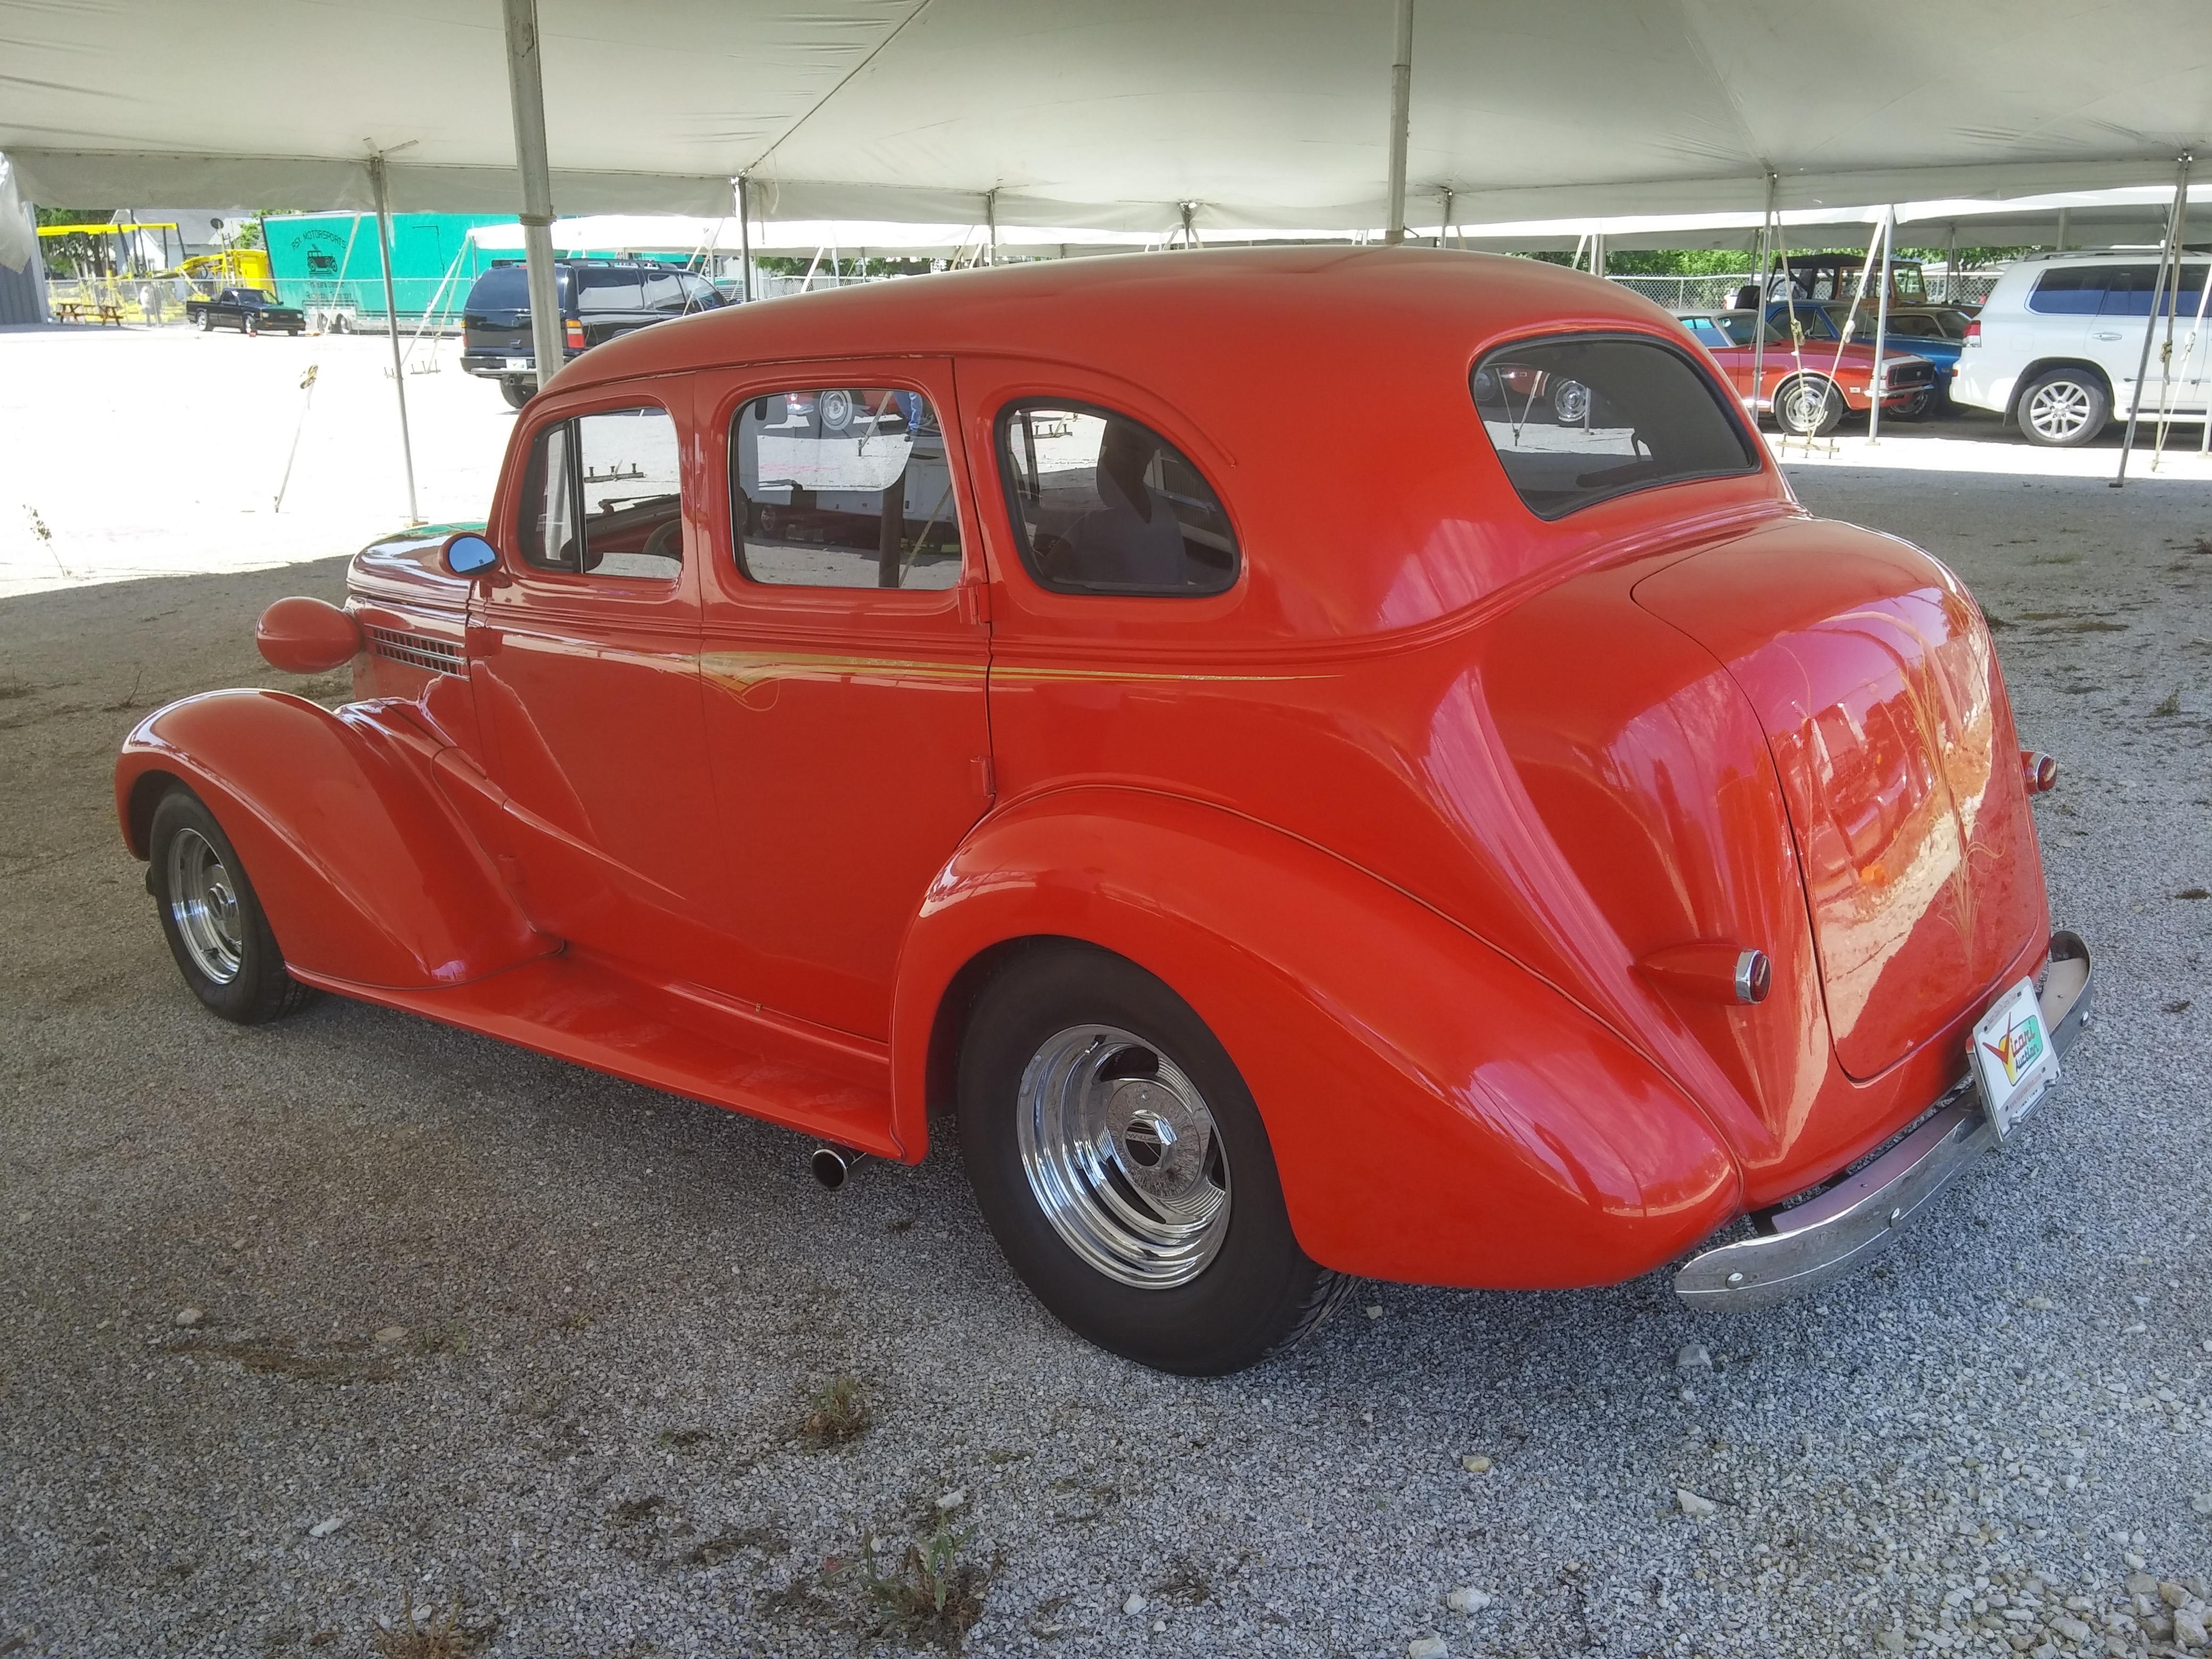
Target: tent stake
x=1401, y=105
x=392, y=323
x=526, y=89
x=2167, y=255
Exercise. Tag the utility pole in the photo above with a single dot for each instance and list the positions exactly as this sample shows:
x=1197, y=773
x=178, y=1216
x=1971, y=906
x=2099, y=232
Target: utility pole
x=526, y=83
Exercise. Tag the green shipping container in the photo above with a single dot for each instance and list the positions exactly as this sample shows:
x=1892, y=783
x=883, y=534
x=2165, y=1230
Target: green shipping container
x=330, y=259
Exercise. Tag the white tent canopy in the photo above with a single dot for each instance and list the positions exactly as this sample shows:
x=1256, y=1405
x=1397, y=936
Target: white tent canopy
x=1082, y=116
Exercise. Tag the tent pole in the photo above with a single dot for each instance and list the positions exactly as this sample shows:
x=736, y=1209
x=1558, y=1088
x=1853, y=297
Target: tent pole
x=1597, y=251
x=1880, y=329
x=745, y=233
x=991, y=220
x=391, y=326
x=2062, y=230
x=526, y=89
x=2166, y=257
x=1758, y=305
x=1189, y=233
x=1443, y=225
x=1951, y=265
x=1402, y=106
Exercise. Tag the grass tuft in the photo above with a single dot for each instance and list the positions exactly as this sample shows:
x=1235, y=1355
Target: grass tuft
x=2172, y=705
x=933, y=1596
x=441, y=1637
x=837, y=1414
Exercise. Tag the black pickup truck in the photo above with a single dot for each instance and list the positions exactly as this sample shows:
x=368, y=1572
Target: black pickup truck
x=248, y=310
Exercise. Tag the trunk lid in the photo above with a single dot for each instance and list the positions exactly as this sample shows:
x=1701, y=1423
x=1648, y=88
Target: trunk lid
x=1877, y=682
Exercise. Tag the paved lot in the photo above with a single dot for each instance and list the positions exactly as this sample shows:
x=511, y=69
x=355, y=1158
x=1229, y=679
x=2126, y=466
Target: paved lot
x=480, y=1330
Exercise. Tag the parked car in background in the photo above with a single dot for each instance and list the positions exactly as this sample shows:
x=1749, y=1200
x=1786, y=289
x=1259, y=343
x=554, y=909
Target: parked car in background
x=1912, y=334
x=248, y=310
x=1810, y=380
x=2057, y=345
x=601, y=300
x=1471, y=847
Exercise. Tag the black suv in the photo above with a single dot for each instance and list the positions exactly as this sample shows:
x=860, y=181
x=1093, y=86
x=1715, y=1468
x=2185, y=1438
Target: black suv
x=599, y=299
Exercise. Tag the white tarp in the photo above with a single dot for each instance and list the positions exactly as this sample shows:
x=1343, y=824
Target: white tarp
x=1096, y=115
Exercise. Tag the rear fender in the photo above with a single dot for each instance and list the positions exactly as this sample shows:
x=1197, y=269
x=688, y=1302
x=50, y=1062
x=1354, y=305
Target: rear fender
x=366, y=875
x=1438, y=1115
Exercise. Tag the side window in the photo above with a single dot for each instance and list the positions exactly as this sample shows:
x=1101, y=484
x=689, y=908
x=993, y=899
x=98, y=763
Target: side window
x=601, y=497
x=1102, y=504
x=842, y=486
x=2076, y=290
x=607, y=290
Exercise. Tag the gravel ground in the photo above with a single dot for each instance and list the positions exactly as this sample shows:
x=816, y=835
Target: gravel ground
x=481, y=1334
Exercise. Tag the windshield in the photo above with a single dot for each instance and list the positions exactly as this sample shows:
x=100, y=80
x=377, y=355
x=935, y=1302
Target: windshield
x=1579, y=419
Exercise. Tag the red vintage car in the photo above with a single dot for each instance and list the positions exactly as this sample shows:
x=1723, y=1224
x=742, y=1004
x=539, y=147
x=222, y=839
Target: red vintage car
x=1468, y=847
x=1809, y=376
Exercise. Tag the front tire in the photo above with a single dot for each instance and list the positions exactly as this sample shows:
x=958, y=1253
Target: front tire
x=207, y=322
x=214, y=924
x=2065, y=408
x=1124, y=1168
x=1807, y=406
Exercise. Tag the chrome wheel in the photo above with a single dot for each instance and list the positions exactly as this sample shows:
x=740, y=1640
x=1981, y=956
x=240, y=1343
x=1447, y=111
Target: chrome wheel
x=1123, y=1157
x=836, y=407
x=1570, y=402
x=203, y=903
x=2059, y=410
x=1802, y=406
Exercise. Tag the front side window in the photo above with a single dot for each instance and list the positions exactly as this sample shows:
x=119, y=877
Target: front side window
x=1104, y=504
x=842, y=486
x=1579, y=419
x=1707, y=333
x=601, y=496
x=2129, y=289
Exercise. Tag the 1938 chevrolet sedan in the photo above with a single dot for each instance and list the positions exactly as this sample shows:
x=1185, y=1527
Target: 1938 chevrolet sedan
x=1310, y=809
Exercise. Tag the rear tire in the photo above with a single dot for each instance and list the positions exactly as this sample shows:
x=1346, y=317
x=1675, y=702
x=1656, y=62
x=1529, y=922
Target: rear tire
x=517, y=393
x=1124, y=1168
x=1807, y=406
x=2065, y=408
x=207, y=323
x=214, y=924
x=250, y=325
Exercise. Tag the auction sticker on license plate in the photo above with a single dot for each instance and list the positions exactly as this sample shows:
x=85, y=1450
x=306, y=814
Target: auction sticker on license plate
x=518, y=363
x=2013, y=1059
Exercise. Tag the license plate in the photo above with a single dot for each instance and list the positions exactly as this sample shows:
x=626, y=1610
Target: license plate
x=2013, y=1059
x=518, y=363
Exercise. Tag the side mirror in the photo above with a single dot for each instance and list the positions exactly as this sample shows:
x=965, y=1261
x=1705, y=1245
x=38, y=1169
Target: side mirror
x=469, y=554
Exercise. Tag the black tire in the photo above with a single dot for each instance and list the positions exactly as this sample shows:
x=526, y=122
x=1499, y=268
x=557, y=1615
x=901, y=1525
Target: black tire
x=185, y=838
x=1796, y=397
x=207, y=322
x=2065, y=408
x=250, y=325
x=517, y=393
x=1257, y=1291
x=1918, y=407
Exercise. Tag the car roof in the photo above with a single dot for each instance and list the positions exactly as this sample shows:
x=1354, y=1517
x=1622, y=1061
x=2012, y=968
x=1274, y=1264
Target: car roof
x=1247, y=360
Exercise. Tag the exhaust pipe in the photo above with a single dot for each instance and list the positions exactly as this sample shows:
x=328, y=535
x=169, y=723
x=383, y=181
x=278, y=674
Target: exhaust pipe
x=832, y=1165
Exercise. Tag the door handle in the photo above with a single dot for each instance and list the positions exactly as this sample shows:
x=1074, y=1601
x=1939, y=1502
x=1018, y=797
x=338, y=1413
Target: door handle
x=2112, y=335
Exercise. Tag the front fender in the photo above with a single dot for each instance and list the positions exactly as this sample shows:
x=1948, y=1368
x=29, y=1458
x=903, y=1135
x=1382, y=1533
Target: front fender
x=1438, y=1115
x=366, y=875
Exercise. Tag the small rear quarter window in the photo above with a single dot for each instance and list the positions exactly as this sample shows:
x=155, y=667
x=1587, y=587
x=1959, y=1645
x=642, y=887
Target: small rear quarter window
x=1580, y=419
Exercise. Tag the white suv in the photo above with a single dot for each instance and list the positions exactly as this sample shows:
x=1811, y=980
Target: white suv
x=2058, y=340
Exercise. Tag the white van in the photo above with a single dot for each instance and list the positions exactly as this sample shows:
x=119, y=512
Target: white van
x=2058, y=340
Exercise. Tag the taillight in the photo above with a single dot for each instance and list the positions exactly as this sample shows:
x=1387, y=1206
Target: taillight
x=1974, y=331
x=576, y=335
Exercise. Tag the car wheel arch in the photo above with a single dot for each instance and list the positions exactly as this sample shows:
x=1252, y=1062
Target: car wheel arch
x=1337, y=987
x=2035, y=371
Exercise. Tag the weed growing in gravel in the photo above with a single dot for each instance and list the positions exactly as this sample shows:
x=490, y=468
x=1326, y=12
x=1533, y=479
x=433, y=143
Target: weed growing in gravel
x=934, y=1596
x=451, y=1337
x=2172, y=705
x=443, y=1637
x=836, y=1414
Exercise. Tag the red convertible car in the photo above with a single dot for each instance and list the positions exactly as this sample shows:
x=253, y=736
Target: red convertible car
x=1468, y=847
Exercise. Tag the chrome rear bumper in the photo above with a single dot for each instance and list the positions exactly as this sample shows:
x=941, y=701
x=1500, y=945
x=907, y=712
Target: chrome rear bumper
x=1851, y=1223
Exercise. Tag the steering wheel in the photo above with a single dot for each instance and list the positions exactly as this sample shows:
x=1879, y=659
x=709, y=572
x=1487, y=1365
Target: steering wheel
x=665, y=542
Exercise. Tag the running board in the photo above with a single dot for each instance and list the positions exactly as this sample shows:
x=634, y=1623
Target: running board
x=579, y=1008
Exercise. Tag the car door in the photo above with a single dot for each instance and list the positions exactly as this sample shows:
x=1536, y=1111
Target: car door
x=585, y=657
x=2117, y=337
x=2059, y=320
x=845, y=651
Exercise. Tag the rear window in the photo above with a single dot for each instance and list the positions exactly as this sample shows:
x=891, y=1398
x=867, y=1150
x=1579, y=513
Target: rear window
x=505, y=288
x=1580, y=420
